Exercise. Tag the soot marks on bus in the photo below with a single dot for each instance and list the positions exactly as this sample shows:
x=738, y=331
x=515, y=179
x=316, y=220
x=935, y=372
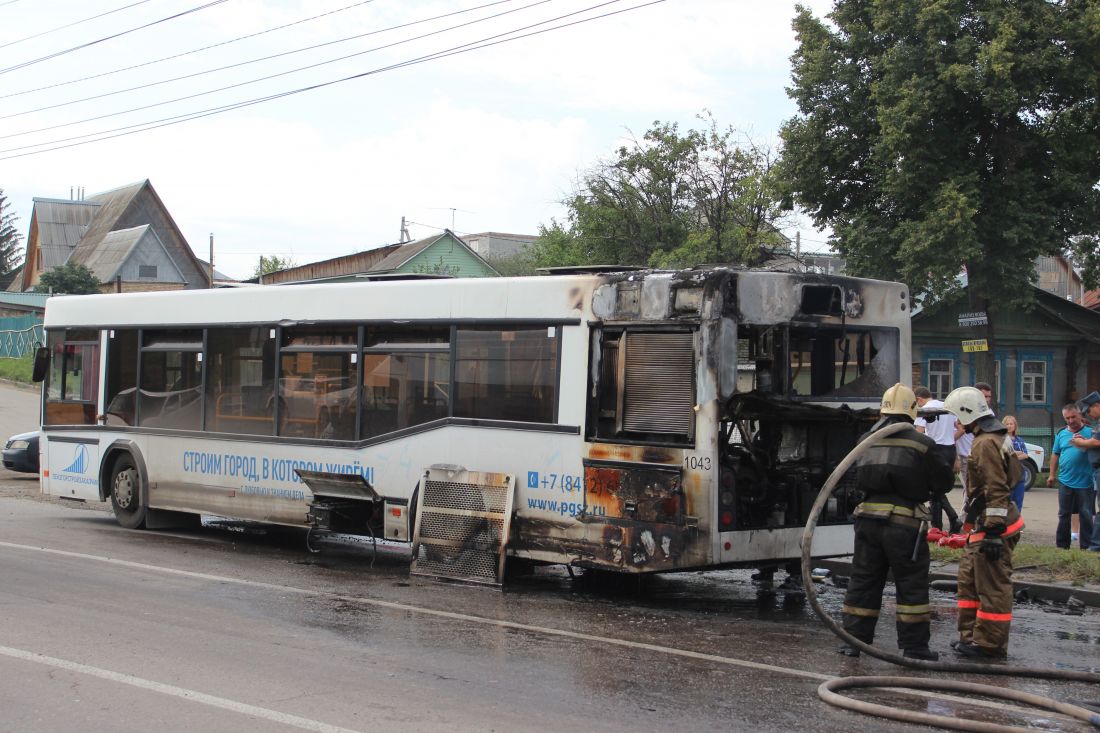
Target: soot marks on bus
x=611, y=543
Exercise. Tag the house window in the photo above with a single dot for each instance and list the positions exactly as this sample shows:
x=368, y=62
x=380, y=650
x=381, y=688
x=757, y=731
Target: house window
x=1033, y=382
x=940, y=372
x=147, y=272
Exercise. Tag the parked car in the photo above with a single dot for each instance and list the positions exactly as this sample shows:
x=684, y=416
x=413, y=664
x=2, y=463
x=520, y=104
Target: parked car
x=1033, y=464
x=21, y=453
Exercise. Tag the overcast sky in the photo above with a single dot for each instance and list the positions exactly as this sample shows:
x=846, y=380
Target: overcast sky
x=491, y=139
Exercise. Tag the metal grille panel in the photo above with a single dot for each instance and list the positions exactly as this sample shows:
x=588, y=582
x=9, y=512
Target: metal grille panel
x=659, y=394
x=462, y=524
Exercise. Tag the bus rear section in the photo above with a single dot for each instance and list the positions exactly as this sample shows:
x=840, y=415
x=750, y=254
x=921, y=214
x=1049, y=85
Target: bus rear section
x=718, y=404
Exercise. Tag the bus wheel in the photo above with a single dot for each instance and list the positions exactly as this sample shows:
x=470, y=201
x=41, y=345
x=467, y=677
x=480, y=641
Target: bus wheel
x=126, y=493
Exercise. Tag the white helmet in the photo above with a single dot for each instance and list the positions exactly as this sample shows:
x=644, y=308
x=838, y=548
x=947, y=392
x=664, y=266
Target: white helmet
x=899, y=400
x=967, y=404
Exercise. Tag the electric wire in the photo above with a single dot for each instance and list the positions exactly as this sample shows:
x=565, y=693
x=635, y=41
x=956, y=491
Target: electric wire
x=216, y=45
x=270, y=57
x=186, y=117
x=110, y=37
x=67, y=25
x=281, y=73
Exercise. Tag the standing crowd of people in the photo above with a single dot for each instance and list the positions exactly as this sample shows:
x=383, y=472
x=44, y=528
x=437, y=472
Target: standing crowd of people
x=905, y=479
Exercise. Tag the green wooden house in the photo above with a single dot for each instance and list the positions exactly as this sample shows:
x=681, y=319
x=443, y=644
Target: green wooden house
x=442, y=254
x=1046, y=356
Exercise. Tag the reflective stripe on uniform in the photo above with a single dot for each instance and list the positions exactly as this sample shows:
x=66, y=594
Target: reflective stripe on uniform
x=920, y=608
x=857, y=611
x=965, y=603
x=986, y=616
x=904, y=443
x=996, y=512
x=913, y=618
x=1009, y=531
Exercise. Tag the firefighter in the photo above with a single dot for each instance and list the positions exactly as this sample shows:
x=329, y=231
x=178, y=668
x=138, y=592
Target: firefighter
x=994, y=522
x=897, y=477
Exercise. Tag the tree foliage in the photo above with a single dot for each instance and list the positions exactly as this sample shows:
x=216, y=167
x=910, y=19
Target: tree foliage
x=670, y=199
x=274, y=263
x=10, y=238
x=933, y=136
x=68, y=279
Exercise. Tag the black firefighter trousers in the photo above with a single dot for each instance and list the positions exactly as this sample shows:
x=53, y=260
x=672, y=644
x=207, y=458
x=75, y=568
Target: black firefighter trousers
x=883, y=546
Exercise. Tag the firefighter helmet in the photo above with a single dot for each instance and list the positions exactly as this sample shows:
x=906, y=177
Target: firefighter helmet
x=967, y=404
x=899, y=400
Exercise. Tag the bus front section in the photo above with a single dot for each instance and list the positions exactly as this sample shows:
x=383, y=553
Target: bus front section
x=719, y=402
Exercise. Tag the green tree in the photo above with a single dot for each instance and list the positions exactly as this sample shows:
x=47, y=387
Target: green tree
x=937, y=136
x=68, y=279
x=274, y=263
x=10, y=238
x=669, y=199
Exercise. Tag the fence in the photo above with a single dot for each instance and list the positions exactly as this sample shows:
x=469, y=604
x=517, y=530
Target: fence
x=18, y=336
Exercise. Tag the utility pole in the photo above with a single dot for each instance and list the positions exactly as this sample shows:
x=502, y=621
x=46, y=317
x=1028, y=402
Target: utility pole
x=211, y=259
x=797, y=245
x=404, y=236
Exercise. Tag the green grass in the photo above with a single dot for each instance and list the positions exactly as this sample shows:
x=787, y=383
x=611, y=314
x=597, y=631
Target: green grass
x=1041, y=562
x=17, y=370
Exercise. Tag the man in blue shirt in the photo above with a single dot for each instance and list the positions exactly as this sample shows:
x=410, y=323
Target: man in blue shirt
x=1077, y=492
x=1090, y=408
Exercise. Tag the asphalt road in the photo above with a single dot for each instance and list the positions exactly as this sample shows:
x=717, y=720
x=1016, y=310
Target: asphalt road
x=112, y=630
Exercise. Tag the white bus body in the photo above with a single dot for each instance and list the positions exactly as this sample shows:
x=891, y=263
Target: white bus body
x=652, y=420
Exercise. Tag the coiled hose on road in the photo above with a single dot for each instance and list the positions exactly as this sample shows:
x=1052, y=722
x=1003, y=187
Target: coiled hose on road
x=828, y=691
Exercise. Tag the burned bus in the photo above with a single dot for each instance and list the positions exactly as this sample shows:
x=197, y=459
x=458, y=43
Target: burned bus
x=635, y=421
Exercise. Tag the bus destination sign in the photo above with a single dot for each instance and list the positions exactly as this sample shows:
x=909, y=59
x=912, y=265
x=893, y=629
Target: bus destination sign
x=977, y=318
x=975, y=345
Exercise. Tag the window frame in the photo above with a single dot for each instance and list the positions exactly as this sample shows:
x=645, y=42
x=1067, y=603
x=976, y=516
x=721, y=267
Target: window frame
x=1047, y=359
x=941, y=355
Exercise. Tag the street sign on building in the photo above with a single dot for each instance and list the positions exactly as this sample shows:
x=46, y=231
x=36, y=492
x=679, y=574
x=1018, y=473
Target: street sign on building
x=977, y=318
x=975, y=345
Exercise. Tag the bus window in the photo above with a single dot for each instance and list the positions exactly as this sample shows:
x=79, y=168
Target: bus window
x=73, y=377
x=646, y=388
x=406, y=377
x=842, y=362
x=317, y=380
x=122, y=360
x=240, y=394
x=170, y=390
x=507, y=374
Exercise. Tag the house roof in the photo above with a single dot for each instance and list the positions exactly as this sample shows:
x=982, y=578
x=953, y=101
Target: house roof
x=60, y=224
x=24, y=300
x=406, y=252
x=1091, y=300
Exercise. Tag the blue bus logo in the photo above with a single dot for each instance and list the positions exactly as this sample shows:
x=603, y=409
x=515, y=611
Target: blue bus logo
x=80, y=461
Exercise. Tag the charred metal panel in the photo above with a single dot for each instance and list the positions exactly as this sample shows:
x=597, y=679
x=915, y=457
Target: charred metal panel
x=463, y=520
x=630, y=491
x=613, y=544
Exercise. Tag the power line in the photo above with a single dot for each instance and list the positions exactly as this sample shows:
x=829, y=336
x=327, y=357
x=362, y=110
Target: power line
x=192, y=51
x=257, y=60
x=67, y=25
x=285, y=73
x=110, y=37
x=454, y=51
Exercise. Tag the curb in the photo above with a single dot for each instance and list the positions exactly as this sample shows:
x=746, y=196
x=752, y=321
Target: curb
x=20, y=385
x=1056, y=592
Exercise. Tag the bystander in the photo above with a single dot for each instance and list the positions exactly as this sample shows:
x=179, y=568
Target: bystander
x=940, y=428
x=1090, y=408
x=1077, y=494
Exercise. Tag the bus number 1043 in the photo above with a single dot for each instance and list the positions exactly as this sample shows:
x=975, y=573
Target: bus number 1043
x=697, y=463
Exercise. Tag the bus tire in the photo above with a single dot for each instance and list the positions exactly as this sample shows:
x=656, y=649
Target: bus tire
x=126, y=493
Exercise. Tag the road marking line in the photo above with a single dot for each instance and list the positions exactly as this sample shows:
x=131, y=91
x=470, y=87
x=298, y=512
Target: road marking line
x=173, y=691
x=728, y=661
x=408, y=608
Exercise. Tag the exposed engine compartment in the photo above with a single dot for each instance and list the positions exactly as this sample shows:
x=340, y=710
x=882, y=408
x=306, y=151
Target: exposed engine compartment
x=776, y=455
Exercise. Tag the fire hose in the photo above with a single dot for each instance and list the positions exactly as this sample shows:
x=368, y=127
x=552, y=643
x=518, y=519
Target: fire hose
x=829, y=690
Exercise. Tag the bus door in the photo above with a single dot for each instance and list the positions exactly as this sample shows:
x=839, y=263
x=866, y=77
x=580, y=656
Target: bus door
x=70, y=460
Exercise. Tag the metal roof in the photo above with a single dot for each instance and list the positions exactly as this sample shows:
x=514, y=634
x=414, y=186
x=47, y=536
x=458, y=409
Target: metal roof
x=32, y=300
x=116, y=246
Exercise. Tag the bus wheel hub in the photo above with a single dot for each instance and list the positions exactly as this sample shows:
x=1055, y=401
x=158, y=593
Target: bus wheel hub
x=125, y=482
